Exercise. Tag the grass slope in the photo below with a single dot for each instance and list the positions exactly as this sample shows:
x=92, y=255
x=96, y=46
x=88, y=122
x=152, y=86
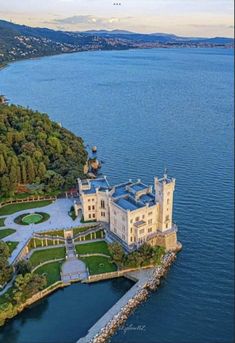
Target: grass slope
x=99, y=265
x=12, y=245
x=6, y=232
x=12, y=208
x=2, y=221
x=46, y=255
x=92, y=248
x=52, y=272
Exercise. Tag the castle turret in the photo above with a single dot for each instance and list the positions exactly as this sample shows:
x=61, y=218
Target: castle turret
x=164, y=190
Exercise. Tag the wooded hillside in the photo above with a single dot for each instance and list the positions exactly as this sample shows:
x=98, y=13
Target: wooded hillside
x=37, y=152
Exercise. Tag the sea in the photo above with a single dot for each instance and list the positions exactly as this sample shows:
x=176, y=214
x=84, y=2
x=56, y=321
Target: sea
x=146, y=110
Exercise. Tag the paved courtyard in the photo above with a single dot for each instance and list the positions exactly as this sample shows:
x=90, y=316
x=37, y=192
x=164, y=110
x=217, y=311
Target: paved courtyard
x=73, y=269
x=59, y=219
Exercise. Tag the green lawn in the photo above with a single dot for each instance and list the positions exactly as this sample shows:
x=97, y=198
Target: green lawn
x=12, y=208
x=6, y=232
x=12, y=245
x=52, y=271
x=92, y=248
x=46, y=255
x=81, y=229
x=32, y=218
x=53, y=233
x=2, y=221
x=99, y=264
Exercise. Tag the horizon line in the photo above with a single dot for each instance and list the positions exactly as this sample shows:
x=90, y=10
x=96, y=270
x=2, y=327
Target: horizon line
x=116, y=29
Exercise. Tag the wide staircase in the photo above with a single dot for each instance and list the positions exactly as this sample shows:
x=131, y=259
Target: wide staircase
x=73, y=269
x=70, y=248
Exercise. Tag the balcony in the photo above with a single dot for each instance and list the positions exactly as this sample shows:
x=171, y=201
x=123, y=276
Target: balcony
x=140, y=223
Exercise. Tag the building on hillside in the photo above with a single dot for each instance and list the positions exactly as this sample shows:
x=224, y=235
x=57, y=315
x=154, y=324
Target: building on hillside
x=134, y=213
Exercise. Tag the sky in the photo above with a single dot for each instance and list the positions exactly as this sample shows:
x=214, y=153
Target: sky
x=198, y=18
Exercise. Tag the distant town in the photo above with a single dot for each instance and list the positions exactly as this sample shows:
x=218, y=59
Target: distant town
x=22, y=42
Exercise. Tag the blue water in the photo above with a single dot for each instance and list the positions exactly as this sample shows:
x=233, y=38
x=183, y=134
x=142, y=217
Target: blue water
x=146, y=110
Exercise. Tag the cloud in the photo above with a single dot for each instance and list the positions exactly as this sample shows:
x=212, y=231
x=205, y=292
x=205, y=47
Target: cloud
x=86, y=19
x=215, y=26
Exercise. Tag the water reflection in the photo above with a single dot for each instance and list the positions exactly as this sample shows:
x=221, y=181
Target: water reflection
x=66, y=315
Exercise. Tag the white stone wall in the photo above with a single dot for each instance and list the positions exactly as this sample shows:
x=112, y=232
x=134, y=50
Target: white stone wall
x=165, y=196
x=124, y=223
x=89, y=206
x=119, y=222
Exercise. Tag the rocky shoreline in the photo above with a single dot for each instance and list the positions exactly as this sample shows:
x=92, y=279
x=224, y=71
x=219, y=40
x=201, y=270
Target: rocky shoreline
x=119, y=319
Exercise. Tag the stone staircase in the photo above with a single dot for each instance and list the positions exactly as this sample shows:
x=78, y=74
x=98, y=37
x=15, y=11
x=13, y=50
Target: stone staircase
x=73, y=269
x=70, y=248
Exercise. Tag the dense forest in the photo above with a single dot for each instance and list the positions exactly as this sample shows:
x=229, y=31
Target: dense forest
x=37, y=152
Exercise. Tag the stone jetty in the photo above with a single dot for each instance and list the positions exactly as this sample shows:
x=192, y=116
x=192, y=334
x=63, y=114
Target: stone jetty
x=147, y=281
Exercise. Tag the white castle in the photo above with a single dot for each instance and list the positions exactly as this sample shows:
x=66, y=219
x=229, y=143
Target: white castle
x=133, y=213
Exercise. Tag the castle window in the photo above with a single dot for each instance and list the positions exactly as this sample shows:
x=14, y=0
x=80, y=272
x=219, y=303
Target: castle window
x=150, y=229
x=167, y=218
x=89, y=208
x=93, y=215
x=150, y=221
x=102, y=204
x=131, y=229
x=93, y=207
x=89, y=215
x=102, y=214
x=93, y=199
x=131, y=239
x=89, y=199
x=141, y=231
x=143, y=216
x=137, y=219
x=150, y=213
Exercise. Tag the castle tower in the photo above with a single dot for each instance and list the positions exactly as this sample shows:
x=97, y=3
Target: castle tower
x=164, y=190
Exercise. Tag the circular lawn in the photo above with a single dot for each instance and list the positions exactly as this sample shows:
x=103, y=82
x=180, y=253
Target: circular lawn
x=32, y=218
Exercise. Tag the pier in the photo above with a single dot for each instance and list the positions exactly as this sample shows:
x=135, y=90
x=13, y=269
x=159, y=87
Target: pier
x=146, y=280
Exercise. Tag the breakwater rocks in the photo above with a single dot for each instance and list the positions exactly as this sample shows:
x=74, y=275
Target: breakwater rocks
x=140, y=296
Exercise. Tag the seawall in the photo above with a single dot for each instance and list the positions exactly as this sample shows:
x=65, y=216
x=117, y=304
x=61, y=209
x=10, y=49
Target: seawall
x=148, y=280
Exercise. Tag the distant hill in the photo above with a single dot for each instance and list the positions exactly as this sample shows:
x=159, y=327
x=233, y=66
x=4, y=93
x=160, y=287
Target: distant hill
x=21, y=41
x=160, y=37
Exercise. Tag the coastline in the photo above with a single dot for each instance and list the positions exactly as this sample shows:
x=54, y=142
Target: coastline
x=6, y=64
x=147, y=282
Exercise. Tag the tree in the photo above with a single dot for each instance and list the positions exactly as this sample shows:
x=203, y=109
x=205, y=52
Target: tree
x=13, y=177
x=6, y=271
x=41, y=170
x=4, y=250
x=30, y=170
x=19, y=174
x=23, y=267
x=5, y=185
x=8, y=310
x=31, y=145
x=3, y=167
x=27, y=285
x=23, y=173
x=117, y=253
